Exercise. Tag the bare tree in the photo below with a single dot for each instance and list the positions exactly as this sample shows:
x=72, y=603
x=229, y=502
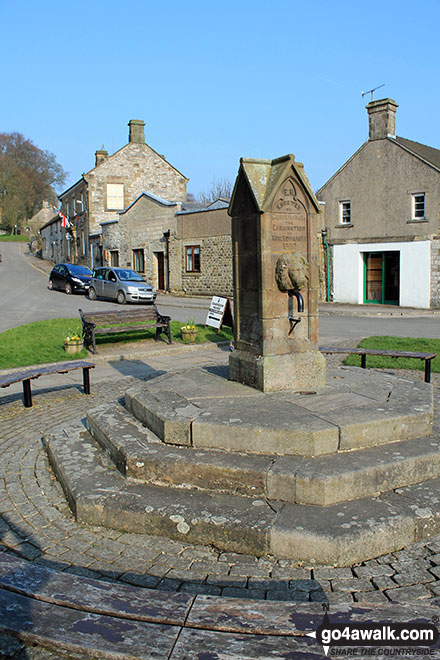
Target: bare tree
x=219, y=188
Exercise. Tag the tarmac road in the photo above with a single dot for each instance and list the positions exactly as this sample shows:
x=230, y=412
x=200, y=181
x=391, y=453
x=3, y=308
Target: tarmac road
x=25, y=297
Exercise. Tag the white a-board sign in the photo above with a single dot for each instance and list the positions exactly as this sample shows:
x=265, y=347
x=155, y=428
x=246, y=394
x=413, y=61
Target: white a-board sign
x=220, y=312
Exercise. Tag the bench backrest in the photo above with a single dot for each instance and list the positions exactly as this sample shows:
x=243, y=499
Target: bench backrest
x=120, y=316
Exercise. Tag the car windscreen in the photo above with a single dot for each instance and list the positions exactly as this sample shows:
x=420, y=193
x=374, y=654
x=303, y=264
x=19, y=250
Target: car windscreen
x=79, y=270
x=129, y=276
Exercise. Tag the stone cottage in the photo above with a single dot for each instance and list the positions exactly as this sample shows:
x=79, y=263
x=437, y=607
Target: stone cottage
x=112, y=186
x=381, y=220
x=178, y=247
x=139, y=237
x=52, y=240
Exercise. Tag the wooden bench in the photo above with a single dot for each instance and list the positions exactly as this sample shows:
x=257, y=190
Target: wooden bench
x=363, y=352
x=26, y=375
x=141, y=318
x=89, y=618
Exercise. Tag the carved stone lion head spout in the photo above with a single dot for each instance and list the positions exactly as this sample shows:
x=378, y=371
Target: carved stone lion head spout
x=292, y=272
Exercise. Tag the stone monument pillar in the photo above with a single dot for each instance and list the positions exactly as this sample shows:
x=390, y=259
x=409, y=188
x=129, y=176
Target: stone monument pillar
x=276, y=277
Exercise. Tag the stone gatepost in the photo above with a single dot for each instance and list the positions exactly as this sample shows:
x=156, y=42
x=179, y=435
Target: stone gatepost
x=276, y=277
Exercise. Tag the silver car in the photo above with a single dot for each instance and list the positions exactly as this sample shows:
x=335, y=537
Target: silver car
x=120, y=284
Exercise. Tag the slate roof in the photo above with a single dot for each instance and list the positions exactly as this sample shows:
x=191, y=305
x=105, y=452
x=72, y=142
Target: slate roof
x=429, y=154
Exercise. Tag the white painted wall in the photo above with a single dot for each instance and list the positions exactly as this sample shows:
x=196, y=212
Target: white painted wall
x=415, y=271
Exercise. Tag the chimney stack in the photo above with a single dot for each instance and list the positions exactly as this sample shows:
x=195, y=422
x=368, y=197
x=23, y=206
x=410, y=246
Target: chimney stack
x=136, y=131
x=382, y=119
x=100, y=156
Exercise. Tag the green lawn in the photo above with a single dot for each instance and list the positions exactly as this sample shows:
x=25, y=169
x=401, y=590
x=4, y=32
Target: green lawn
x=43, y=341
x=419, y=345
x=20, y=238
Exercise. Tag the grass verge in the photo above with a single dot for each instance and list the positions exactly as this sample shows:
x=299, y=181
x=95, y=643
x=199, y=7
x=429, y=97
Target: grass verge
x=419, y=344
x=43, y=341
x=14, y=238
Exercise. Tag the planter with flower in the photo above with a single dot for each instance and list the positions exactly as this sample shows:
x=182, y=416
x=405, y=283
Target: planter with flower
x=73, y=344
x=189, y=332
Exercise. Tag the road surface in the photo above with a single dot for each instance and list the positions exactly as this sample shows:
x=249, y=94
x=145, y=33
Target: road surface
x=24, y=297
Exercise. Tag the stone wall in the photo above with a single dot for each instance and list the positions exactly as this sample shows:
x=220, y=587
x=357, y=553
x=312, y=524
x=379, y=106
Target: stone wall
x=435, y=273
x=211, y=232
x=215, y=277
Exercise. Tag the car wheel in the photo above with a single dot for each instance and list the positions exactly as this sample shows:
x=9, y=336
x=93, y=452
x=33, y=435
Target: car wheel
x=92, y=293
x=68, y=288
x=50, y=285
x=120, y=298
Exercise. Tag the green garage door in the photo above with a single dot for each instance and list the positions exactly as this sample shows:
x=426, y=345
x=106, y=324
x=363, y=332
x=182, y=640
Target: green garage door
x=381, y=277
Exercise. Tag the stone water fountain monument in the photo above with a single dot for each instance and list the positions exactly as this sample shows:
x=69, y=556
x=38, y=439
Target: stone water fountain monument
x=270, y=456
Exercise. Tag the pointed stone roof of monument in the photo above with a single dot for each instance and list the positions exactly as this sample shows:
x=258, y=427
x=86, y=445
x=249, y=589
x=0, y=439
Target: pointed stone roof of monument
x=264, y=176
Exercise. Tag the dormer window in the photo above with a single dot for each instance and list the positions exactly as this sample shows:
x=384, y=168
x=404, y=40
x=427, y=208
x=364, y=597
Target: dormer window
x=418, y=206
x=345, y=212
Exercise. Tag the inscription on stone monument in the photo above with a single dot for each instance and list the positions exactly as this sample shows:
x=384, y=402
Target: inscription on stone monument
x=289, y=232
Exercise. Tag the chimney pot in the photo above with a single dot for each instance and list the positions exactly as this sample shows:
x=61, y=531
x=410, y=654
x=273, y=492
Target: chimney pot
x=100, y=156
x=382, y=119
x=136, y=131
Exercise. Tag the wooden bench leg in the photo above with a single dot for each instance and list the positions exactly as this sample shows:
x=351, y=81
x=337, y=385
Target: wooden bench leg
x=363, y=361
x=427, y=371
x=27, y=394
x=86, y=380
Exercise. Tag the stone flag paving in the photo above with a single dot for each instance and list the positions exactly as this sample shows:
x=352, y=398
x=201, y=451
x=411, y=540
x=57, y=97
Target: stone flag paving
x=36, y=523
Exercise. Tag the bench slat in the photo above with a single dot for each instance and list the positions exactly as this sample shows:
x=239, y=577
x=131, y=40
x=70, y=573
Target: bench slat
x=363, y=352
x=112, y=329
x=378, y=351
x=36, y=372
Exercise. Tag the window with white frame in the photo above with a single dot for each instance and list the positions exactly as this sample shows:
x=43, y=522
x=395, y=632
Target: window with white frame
x=115, y=196
x=418, y=206
x=345, y=212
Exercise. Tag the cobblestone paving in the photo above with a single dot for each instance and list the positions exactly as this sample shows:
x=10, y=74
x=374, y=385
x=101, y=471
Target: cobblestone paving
x=36, y=523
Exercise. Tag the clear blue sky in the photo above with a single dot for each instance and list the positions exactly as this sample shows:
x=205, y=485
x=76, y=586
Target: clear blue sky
x=215, y=81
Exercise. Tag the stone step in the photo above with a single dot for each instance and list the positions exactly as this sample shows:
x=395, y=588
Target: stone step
x=139, y=454
x=339, y=534
x=343, y=476
x=99, y=495
x=355, y=411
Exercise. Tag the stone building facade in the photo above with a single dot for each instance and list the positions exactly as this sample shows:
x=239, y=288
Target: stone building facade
x=112, y=186
x=201, y=251
x=42, y=217
x=381, y=219
x=139, y=238
x=52, y=240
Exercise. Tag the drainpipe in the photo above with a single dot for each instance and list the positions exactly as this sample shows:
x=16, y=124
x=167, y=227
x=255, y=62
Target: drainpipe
x=166, y=236
x=326, y=245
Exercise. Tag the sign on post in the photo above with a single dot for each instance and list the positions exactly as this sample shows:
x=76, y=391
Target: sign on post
x=220, y=313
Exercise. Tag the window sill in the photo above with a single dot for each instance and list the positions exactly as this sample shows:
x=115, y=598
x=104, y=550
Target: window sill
x=343, y=225
x=192, y=272
x=417, y=221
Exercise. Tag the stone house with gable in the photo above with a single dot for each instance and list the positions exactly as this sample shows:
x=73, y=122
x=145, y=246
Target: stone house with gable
x=381, y=219
x=112, y=186
x=139, y=238
x=179, y=247
x=52, y=240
